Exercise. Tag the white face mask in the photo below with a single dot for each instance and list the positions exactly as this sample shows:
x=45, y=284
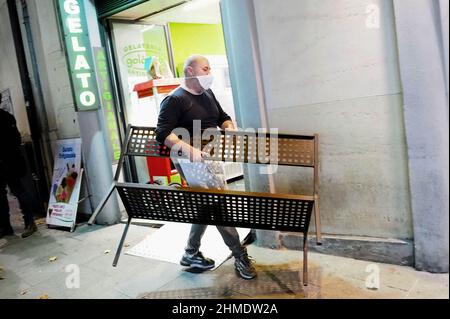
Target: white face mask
x=206, y=81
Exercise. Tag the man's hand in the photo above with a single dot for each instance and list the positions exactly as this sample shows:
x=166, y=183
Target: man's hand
x=196, y=155
x=228, y=126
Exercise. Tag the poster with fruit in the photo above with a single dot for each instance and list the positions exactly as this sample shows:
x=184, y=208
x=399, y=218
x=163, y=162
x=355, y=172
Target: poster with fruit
x=66, y=183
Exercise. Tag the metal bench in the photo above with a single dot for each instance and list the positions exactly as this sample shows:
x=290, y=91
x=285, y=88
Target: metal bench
x=282, y=212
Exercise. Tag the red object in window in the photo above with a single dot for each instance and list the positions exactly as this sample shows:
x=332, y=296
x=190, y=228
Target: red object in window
x=161, y=86
x=161, y=166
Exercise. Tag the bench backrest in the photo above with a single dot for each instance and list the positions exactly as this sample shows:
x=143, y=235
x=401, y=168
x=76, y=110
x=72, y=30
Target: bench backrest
x=241, y=147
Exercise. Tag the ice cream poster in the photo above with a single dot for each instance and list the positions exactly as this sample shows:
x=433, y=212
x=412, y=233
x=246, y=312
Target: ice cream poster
x=66, y=182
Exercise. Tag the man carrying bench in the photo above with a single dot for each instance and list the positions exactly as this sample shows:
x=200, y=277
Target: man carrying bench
x=195, y=101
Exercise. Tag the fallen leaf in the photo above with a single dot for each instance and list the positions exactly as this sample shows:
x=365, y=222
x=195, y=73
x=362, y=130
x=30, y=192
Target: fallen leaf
x=51, y=259
x=392, y=270
x=44, y=296
x=107, y=251
x=126, y=245
x=23, y=292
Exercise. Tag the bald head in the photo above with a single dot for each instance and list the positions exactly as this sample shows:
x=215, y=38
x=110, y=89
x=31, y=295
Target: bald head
x=196, y=66
x=192, y=62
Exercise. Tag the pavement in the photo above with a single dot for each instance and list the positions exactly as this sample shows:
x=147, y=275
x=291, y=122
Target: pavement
x=58, y=264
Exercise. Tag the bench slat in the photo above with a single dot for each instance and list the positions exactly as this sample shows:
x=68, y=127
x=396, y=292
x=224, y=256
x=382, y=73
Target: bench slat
x=217, y=207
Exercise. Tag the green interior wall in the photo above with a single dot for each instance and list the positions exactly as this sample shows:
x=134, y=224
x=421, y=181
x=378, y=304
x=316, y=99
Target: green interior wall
x=188, y=39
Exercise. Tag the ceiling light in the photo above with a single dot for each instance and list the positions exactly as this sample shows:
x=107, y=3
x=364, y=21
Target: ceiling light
x=149, y=27
x=197, y=4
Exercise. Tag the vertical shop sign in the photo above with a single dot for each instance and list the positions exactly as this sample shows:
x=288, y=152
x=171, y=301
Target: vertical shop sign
x=78, y=51
x=107, y=102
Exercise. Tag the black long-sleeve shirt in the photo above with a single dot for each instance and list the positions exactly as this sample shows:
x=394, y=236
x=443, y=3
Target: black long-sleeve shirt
x=181, y=108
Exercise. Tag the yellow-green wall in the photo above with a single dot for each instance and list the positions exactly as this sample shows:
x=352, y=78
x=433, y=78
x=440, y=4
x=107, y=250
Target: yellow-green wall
x=188, y=39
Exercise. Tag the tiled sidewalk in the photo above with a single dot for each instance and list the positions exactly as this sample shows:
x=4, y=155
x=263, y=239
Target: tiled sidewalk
x=29, y=271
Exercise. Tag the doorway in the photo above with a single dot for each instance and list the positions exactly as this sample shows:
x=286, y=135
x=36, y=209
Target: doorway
x=150, y=43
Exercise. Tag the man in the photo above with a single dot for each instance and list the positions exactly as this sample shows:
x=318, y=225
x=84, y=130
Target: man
x=194, y=100
x=12, y=168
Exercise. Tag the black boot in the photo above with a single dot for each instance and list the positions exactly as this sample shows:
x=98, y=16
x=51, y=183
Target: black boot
x=29, y=230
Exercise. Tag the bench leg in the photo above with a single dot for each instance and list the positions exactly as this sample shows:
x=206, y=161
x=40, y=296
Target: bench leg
x=317, y=222
x=101, y=205
x=305, y=259
x=122, y=240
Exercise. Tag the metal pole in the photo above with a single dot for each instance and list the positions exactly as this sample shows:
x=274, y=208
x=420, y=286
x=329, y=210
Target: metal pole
x=102, y=204
x=316, y=190
x=305, y=258
x=122, y=240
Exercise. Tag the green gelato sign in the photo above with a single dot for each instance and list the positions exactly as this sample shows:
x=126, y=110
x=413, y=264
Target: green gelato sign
x=79, y=55
x=107, y=102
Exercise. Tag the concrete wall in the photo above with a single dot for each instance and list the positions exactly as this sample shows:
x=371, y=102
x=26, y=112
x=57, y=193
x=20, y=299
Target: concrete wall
x=9, y=71
x=423, y=64
x=245, y=74
x=331, y=67
x=444, y=30
x=57, y=94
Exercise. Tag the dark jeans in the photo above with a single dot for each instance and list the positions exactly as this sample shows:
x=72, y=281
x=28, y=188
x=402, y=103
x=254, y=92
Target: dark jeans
x=25, y=200
x=208, y=175
x=229, y=234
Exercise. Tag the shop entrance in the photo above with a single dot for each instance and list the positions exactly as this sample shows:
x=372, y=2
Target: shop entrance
x=149, y=44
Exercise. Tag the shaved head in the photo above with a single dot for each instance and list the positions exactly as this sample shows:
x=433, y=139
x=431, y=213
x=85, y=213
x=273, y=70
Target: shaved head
x=196, y=66
x=192, y=62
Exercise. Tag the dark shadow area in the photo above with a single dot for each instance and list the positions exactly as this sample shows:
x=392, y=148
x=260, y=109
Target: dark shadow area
x=280, y=281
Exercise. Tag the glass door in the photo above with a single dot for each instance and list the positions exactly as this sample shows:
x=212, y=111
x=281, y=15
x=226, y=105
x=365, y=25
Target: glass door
x=141, y=53
x=138, y=48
